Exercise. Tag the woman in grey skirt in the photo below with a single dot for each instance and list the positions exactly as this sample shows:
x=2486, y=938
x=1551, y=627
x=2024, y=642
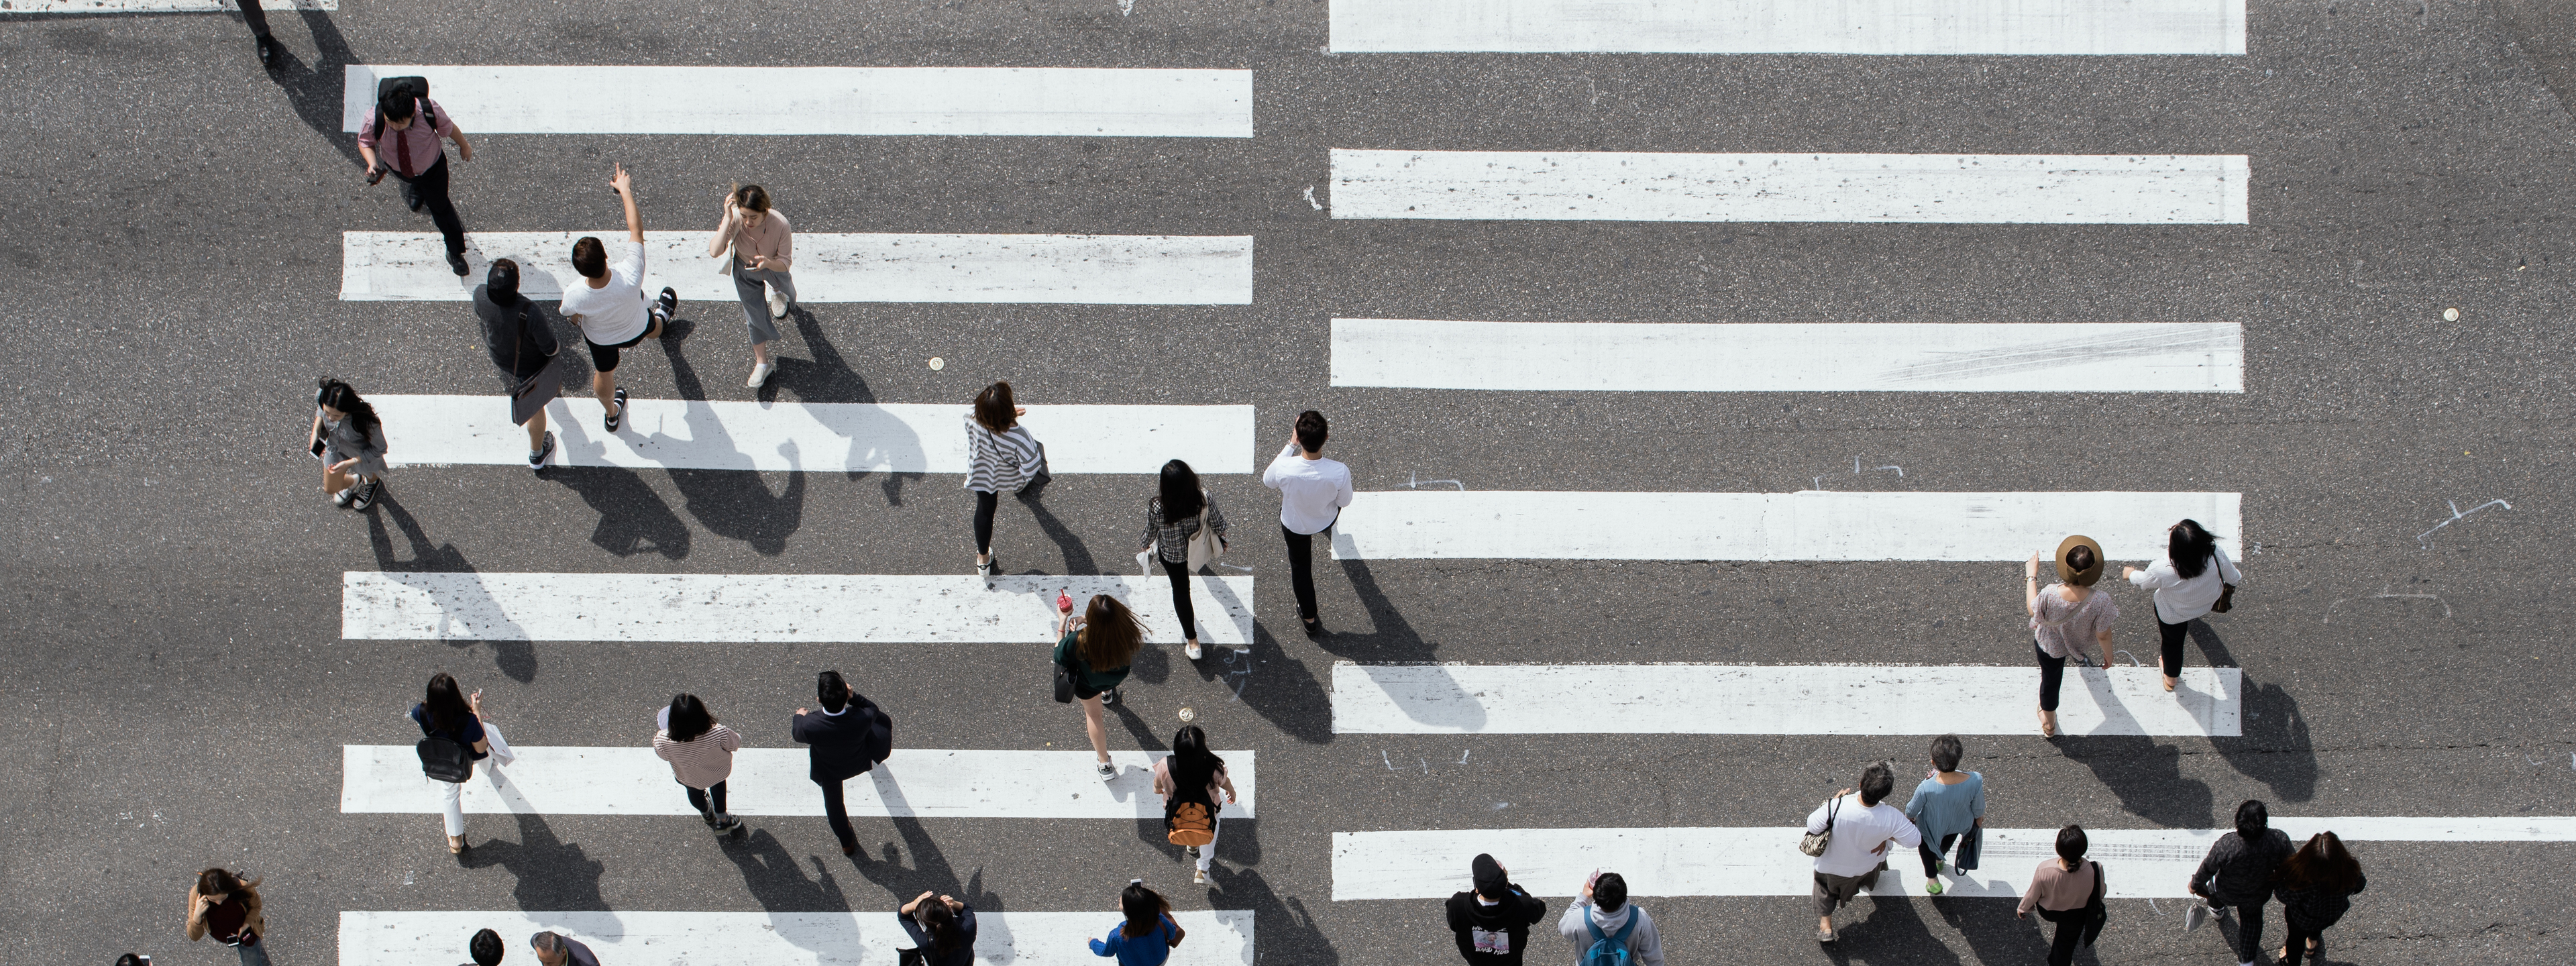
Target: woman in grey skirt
x=351, y=444
x=763, y=246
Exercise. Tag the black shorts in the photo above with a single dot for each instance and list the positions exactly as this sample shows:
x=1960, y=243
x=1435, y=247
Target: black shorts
x=604, y=357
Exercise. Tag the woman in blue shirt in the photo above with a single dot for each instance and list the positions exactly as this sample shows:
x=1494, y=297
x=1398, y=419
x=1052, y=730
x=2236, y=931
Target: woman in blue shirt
x=1147, y=936
x=1945, y=806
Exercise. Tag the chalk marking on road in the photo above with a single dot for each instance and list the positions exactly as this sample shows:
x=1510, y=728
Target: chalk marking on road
x=863, y=101
x=1745, y=699
x=2384, y=594
x=1919, y=188
x=809, y=608
x=2054, y=357
x=812, y=437
x=1766, y=862
x=1808, y=525
x=923, y=783
x=150, y=6
x=831, y=267
x=2457, y=516
x=1881, y=27
x=1221, y=937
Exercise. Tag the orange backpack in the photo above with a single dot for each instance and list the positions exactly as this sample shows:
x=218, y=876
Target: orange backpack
x=1190, y=824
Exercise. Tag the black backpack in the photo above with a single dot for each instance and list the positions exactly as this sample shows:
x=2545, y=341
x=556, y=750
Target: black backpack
x=445, y=760
x=416, y=88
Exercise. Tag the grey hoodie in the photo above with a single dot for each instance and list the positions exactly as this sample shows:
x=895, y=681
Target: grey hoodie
x=1644, y=947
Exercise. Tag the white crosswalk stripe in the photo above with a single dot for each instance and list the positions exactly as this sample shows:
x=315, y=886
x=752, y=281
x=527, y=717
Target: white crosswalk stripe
x=830, y=267
x=1933, y=188
x=1222, y=937
x=1742, y=699
x=1789, y=357
x=2137, y=863
x=923, y=783
x=811, y=608
x=1807, y=525
x=2062, y=27
x=153, y=6
x=945, y=101
x=816, y=437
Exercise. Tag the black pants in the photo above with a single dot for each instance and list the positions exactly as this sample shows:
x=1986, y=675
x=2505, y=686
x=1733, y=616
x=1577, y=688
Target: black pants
x=2249, y=933
x=1181, y=598
x=1301, y=569
x=2299, y=937
x=698, y=800
x=2173, y=635
x=985, y=504
x=431, y=185
x=838, y=814
x=255, y=17
x=1932, y=855
x=2052, y=672
x=2070, y=933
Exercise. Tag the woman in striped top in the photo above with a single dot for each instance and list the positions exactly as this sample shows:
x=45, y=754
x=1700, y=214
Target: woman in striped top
x=1170, y=520
x=701, y=755
x=1002, y=458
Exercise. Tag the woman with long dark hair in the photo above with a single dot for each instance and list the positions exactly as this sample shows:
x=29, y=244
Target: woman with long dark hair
x=351, y=442
x=1001, y=457
x=2188, y=583
x=1193, y=775
x=942, y=928
x=445, y=713
x=1096, y=648
x=700, y=751
x=2315, y=886
x=1172, y=518
x=763, y=246
x=1147, y=934
x=225, y=906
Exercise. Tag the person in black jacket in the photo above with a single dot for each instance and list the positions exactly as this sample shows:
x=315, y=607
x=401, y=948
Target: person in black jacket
x=1493, y=921
x=520, y=342
x=848, y=739
x=2316, y=887
x=2237, y=873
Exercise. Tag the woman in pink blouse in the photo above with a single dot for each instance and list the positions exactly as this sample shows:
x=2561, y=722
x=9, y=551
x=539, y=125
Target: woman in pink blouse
x=701, y=755
x=762, y=246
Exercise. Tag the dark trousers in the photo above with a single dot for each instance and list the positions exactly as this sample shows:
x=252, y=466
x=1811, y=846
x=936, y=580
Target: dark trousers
x=255, y=17
x=698, y=800
x=1932, y=855
x=985, y=504
x=2249, y=933
x=431, y=186
x=2052, y=672
x=1301, y=569
x=2070, y=933
x=2172, y=635
x=838, y=814
x=1181, y=598
x=2299, y=939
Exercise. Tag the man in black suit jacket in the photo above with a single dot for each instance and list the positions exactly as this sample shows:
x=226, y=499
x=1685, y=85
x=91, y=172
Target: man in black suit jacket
x=848, y=739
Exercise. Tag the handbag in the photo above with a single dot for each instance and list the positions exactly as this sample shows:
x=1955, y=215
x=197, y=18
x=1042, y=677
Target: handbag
x=1063, y=679
x=1970, y=844
x=1814, y=843
x=1205, y=548
x=445, y=760
x=2226, y=599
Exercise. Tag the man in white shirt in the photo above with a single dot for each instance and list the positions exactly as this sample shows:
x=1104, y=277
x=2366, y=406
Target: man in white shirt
x=1312, y=492
x=609, y=306
x=1864, y=828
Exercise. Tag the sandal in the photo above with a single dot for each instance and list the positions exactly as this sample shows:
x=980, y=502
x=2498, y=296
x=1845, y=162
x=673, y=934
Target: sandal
x=456, y=845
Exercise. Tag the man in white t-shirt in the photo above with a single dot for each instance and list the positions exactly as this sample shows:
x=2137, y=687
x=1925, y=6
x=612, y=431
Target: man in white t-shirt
x=1864, y=827
x=609, y=307
x=1312, y=492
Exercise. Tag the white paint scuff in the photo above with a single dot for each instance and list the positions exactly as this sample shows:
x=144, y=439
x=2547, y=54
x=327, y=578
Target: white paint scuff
x=890, y=101
x=812, y=437
x=378, y=266
x=1221, y=937
x=914, y=783
x=2063, y=357
x=1806, y=525
x=1877, y=27
x=1798, y=699
x=152, y=6
x=810, y=608
x=1920, y=188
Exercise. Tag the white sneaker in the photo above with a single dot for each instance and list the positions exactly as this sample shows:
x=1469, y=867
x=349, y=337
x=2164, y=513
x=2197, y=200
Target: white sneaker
x=759, y=374
x=1191, y=649
x=777, y=305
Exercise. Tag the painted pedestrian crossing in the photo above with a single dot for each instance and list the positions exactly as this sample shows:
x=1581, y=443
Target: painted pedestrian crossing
x=152, y=6
x=913, y=783
x=1221, y=937
x=809, y=608
x=886, y=101
x=832, y=267
x=689, y=434
x=2063, y=357
x=1880, y=27
x=2139, y=863
x=1812, y=525
x=1921, y=188
x=1800, y=699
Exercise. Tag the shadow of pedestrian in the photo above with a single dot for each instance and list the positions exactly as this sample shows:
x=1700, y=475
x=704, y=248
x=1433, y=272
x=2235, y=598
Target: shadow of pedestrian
x=1893, y=928
x=632, y=518
x=1992, y=930
x=551, y=874
x=314, y=90
x=830, y=379
x=1287, y=931
x=2145, y=775
x=781, y=886
x=1277, y=687
x=1077, y=557
x=2275, y=748
x=735, y=504
x=512, y=654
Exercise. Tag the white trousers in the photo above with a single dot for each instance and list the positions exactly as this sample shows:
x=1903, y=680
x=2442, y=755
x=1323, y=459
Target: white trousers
x=452, y=794
x=1207, y=853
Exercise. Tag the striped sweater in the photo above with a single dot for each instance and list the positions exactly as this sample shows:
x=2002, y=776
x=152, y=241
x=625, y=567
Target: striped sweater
x=1001, y=462
x=700, y=763
x=1174, y=535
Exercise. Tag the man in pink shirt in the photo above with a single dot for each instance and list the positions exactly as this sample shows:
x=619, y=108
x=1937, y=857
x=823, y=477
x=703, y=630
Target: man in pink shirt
x=403, y=138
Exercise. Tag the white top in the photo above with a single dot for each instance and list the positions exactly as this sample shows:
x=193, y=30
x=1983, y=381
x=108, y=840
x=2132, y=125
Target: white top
x=2179, y=600
x=1312, y=492
x=1857, y=831
x=612, y=314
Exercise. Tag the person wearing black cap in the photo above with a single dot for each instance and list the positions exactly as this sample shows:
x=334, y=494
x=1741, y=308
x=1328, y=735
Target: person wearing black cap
x=523, y=345
x=1493, y=920
x=2064, y=615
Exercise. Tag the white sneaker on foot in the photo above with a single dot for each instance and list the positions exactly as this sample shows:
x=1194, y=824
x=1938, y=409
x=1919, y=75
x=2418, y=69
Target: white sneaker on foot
x=759, y=374
x=1191, y=648
x=777, y=305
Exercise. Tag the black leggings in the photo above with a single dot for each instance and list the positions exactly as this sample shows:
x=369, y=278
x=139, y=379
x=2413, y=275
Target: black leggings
x=255, y=17
x=2249, y=933
x=2052, y=672
x=698, y=799
x=1301, y=569
x=2173, y=635
x=2298, y=940
x=1932, y=855
x=1181, y=598
x=985, y=504
x=2070, y=932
